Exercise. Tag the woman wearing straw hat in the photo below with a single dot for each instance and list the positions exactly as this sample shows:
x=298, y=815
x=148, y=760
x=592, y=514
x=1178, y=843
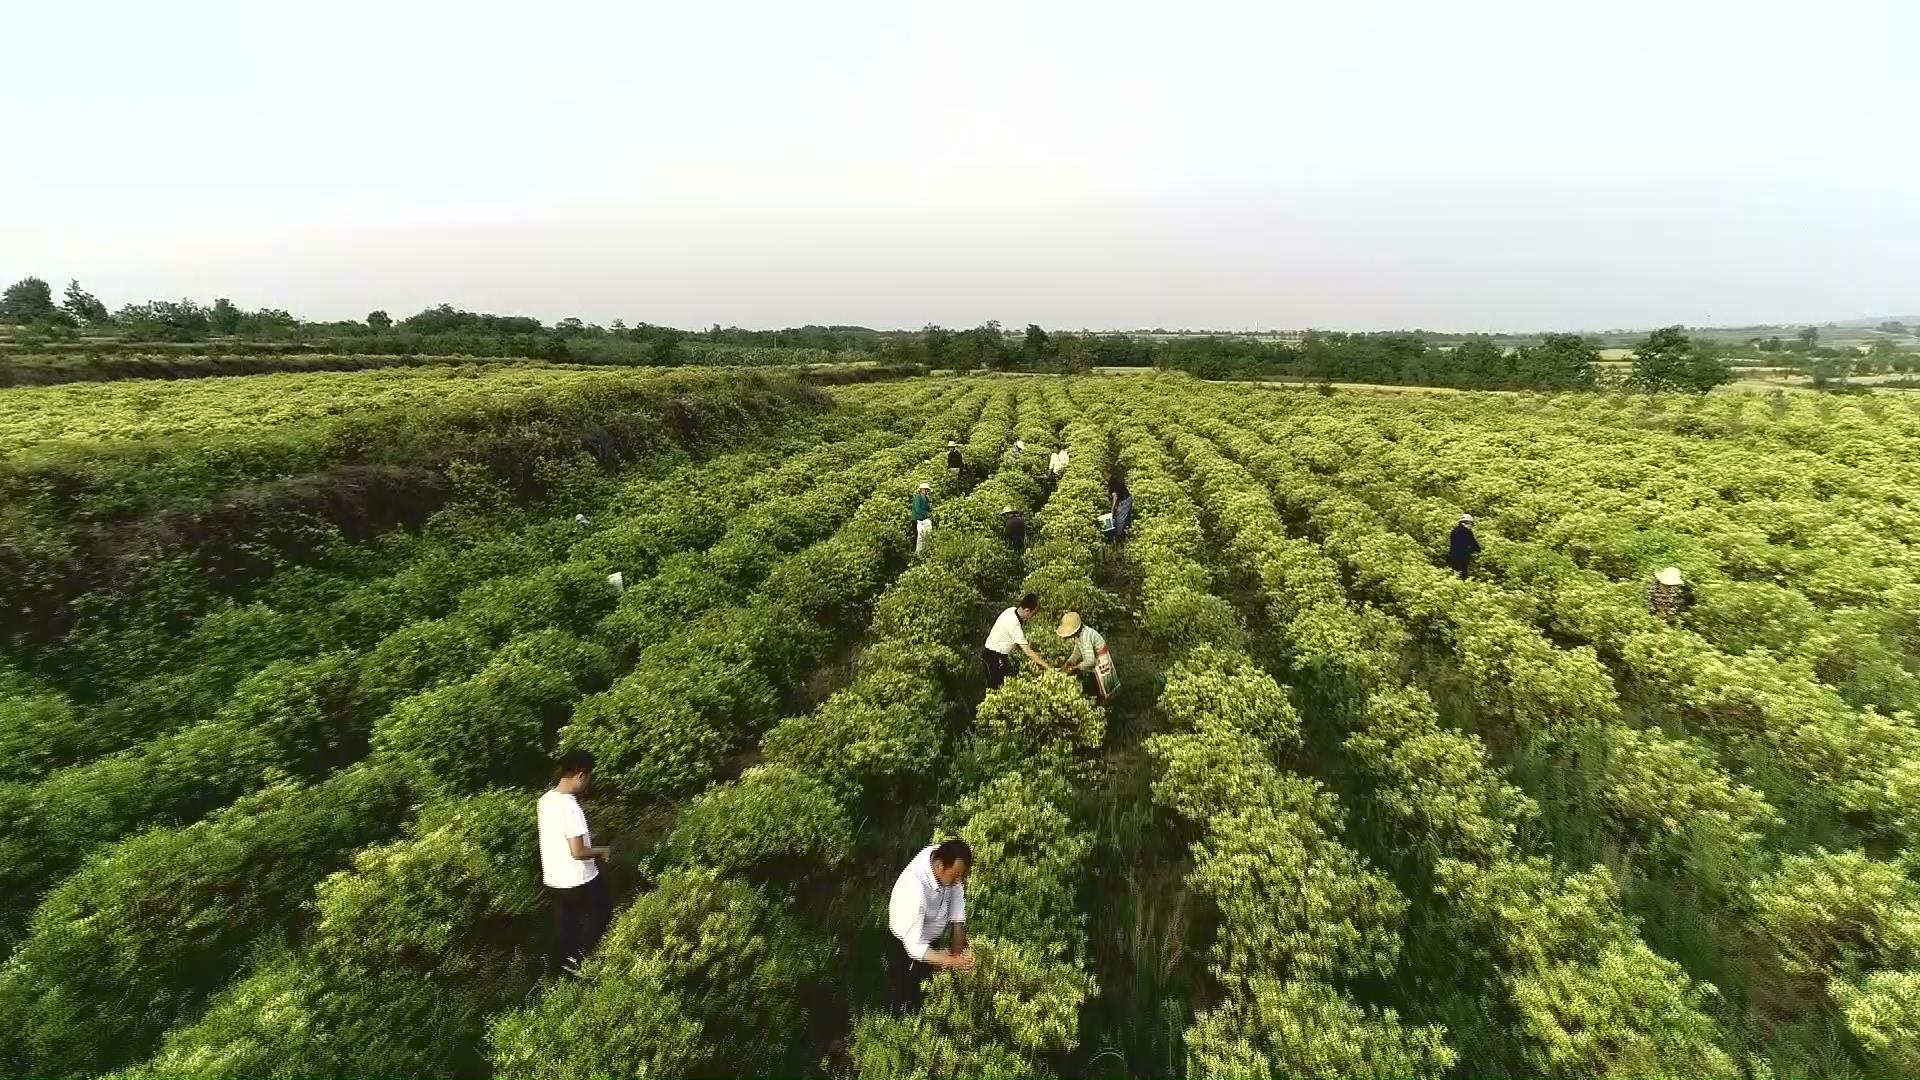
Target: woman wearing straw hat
x=1669, y=594
x=1089, y=658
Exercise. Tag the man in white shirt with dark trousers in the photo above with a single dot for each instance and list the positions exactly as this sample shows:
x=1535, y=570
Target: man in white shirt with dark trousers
x=570, y=864
x=929, y=899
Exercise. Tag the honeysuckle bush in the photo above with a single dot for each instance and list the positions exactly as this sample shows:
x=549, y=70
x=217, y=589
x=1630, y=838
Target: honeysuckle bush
x=1278, y=1029
x=1014, y=1015
x=412, y=947
x=1215, y=689
x=1435, y=782
x=1043, y=717
x=1883, y=1012
x=1030, y=853
x=422, y=655
x=774, y=824
x=1840, y=914
x=704, y=975
x=295, y=718
x=882, y=732
x=489, y=729
x=145, y=932
x=1293, y=901
x=1626, y=1013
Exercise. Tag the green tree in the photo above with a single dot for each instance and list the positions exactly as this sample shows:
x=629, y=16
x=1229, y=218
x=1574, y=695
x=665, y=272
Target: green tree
x=1037, y=344
x=84, y=306
x=1477, y=361
x=28, y=300
x=379, y=321
x=1559, y=362
x=1662, y=362
x=223, y=317
x=1809, y=337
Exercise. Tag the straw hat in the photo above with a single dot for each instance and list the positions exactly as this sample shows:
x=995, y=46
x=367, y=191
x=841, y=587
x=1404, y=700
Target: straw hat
x=924, y=486
x=1011, y=510
x=1466, y=519
x=1669, y=576
x=1069, y=624
x=951, y=442
x=1019, y=444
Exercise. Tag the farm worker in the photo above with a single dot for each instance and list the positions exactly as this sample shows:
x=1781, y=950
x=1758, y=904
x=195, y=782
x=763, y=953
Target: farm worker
x=581, y=520
x=1016, y=528
x=1058, y=461
x=1089, y=658
x=1008, y=633
x=1462, y=546
x=1120, y=501
x=1668, y=594
x=929, y=898
x=1019, y=447
x=570, y=864
x=922, y=516
x=954, y=460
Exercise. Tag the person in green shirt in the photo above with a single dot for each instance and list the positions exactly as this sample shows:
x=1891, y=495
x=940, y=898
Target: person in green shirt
x=922, y=517
x=1089, y=659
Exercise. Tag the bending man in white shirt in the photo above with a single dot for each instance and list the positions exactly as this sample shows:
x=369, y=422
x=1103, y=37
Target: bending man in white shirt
x=1009, y=633
x=570, y=864
x=929, y=898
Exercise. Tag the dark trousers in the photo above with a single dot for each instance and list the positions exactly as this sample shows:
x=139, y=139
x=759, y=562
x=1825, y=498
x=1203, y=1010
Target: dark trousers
x=1460, y=566
x=909, y=981
x=996, y=668
x=579, y=918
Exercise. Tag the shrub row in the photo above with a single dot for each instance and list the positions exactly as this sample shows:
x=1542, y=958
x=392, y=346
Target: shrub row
x=1663, y=793
x=233, y=512
x=1589, y=996
x=402, y=969
x=779, y=821
x=1296, y=910
x=1017, y=1012
x=1766, y=709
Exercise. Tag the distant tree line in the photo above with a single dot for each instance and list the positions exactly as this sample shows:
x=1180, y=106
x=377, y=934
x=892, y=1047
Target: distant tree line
x=1668, y=359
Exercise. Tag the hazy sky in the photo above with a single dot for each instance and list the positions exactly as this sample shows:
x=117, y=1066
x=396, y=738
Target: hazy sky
x=1352, y=164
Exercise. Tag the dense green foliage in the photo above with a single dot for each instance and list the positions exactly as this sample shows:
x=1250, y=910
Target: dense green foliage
x=1349, y=814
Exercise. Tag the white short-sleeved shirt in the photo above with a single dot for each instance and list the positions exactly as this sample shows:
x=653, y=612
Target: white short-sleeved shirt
x=561, y=818
x=1007, y=634
x=921, y=908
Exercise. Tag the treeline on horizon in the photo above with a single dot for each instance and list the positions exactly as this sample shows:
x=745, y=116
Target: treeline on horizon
x=160, y=331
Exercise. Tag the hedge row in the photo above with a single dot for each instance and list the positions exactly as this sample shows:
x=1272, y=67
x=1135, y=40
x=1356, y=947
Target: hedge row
x=648, y=1003
x=1586, y=993
x=402, y=969
x=1018, y=1011
x=104, y=530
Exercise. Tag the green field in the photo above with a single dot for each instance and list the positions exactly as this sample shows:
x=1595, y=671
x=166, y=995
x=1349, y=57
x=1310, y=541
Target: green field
x=288, y=657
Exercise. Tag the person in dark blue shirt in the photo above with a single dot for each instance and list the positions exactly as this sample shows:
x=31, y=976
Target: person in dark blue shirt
x=1462, y=546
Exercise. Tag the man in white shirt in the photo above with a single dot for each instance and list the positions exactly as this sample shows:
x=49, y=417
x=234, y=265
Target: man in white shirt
x=570, y=864
x=929, y=898
x=1008, y=633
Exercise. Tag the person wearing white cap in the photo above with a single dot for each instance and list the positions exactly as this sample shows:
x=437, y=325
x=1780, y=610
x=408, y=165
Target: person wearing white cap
x=1669, y=594
x=1019, y=447
x=954, y=460
x=1016, y=527
x=922, y=516
x=1089, y=659
x=1462, y=546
